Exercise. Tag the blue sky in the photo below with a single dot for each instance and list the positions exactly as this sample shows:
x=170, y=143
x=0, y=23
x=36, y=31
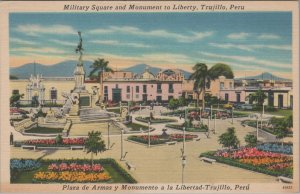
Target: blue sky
x=248, y=42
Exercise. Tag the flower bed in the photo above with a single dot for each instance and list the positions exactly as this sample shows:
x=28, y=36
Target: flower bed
x=159, y=139
x=189, y=129
x=19, y=165
x=155, y=120
x=52, y=142
x=276, y=147
x=72, y=171
x=274, y=164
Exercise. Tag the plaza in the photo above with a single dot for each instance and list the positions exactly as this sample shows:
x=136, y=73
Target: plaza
x=162, y=163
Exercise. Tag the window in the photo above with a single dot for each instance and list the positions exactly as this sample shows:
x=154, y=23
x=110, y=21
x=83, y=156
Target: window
x=137, y=89
x=14, y=92
x=144, y=88
x=230, y=85
x=117, y=85
x=105, y=90
x=137, y=96
x=53, y=94
x=128, y=89
x=128, y=96
x=222, y=85
x=159, y=88
x=171, y=90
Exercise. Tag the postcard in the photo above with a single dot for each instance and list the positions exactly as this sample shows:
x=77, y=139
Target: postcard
x=149, y=96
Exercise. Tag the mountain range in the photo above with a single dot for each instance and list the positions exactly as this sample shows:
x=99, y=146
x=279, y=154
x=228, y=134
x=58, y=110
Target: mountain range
x=66, y=68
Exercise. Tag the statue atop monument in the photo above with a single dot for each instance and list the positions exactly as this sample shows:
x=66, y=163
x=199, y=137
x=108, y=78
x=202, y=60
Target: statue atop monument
x=79, y=48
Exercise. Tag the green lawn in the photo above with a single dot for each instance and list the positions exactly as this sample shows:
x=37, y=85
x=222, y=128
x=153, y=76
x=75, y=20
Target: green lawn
x=136, y=127
x=44, y=130
x=278, y=112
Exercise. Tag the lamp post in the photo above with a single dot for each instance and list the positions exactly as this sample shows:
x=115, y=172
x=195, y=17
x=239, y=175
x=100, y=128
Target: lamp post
x=215, y=124
x=257, y=127
x=140, y=108
x=208, y=123
x=211, y=112
x=183, y=163
x=122, y=131
x=149, y=134
x=231, y=115
x=183, y=145
x=108, y=138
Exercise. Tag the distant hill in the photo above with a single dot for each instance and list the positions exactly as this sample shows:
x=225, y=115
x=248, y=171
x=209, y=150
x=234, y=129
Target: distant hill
x=264, y=76
x=140, y=68
x=63, y=69
x=66, y=68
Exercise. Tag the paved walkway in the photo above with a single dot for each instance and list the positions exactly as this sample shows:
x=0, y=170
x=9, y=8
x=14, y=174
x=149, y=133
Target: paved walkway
x=162, y=164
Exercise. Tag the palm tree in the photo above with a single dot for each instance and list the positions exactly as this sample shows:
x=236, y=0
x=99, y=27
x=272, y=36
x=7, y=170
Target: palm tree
x=259, y=97
x=94, y=144
x=99, y=65
x=202, y=77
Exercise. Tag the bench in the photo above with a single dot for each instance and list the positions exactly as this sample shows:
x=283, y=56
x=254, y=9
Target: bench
x=28, y=146
x=283, y=179
x=209, y=160
x=77, y=147
x=171, y=142
x=130, y=166
x=198, y=139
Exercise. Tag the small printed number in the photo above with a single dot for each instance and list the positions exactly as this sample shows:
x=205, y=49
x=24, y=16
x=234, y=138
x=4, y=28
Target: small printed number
x=287, y=187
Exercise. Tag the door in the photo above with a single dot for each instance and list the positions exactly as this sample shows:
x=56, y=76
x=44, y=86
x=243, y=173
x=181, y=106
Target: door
x=238, y=98
x=144, y=97
x=271, y=99
x=280, y=101
x=116, y=95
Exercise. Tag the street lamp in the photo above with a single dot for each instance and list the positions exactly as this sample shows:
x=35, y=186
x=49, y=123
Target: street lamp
x=257, y=127
x=183, y=145
x=215, y=124
x=149, y=133
x=108, y=138
x=211, y=112
x=122, y=158
x=183, y=163
x=231, y=115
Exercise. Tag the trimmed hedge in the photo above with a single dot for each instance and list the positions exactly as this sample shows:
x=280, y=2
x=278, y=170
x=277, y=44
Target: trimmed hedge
x=141, y=140
x=154, y=121
x=189, y=129
x=286, y=173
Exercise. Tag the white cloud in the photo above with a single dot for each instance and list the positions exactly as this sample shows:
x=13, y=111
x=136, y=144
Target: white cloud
x=241, y=35
x=61, y=42
x=250, y=47
x=268, y=36
x=193, y=36
x=44, y=50
x=36, y=30
x=249, y=59
x=118, y=43
x=20, y=41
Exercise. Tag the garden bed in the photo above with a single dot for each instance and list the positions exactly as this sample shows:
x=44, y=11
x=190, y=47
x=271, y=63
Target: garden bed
x=65, y=142
x=285, y=148
x=159, y=139
x=136, y=127
x=189, y=129
x=44, y=130
x=68, y=171
x=269, y=163
x=155, y=120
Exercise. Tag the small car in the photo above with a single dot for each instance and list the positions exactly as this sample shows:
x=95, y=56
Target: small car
x=228, y=105
x=247, y=106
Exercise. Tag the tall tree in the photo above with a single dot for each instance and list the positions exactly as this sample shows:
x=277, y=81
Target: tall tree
x=259, y=97
x=229, y=139
x=94, y=144
x=99, y=65
x=203, y=76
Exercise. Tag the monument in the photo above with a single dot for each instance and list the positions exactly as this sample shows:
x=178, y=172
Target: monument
x=81, y=105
